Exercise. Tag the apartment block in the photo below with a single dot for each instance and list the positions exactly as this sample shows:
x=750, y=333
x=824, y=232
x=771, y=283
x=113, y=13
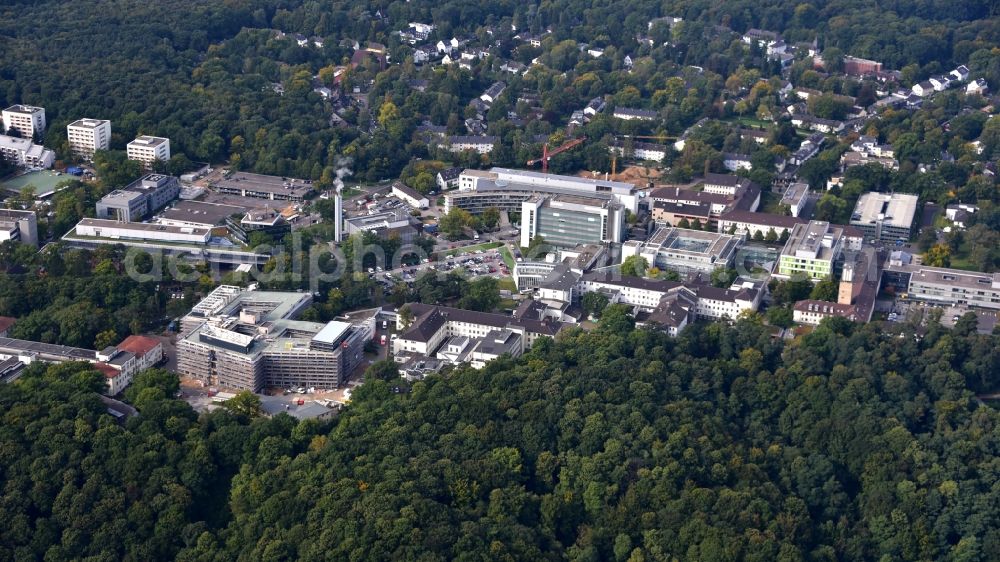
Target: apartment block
x=25, y=153
x=87, y=136
x=27, y=120
x=147, y=149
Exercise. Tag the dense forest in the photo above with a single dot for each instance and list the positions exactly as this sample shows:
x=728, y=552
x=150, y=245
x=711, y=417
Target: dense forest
x=202, y=72
x=850, y=443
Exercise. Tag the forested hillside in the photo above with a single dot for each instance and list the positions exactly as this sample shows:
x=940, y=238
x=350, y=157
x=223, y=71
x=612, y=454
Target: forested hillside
x=847, y=444
x=201, y=72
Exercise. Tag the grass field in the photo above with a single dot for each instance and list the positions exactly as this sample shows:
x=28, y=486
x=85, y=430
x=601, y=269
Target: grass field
x=750, y=122
x=508, y=258
x=769, y=202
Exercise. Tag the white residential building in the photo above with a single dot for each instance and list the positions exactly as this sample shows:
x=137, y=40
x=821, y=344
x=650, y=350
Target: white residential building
x=27, y=120
x=23, y=152
x=481, y=144
x=923, y=89
x=87, y=136
x=977, y=86
x=147, y=149
x=735, y=162
x=796, y=197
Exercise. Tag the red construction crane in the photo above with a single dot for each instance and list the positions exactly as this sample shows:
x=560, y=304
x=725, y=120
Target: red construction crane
x=547, y=154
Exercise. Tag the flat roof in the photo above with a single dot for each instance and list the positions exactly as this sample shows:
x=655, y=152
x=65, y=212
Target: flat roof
x=947, y=276
x=22, y=108
x=146, y=140
x=87, y=123
x=539, y=177
x=15, y=215
x=809, y=237
x=201, y=212
x=73, y=353
x=142, y=226
x=258, y=182
x=795, y=192
x=122, y=194
x=491, y=186
x=387, y=219
x=897, y=209
x=332, y=333
x=578, y=200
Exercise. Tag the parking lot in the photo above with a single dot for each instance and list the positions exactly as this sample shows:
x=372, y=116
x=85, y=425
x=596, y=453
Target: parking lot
x=917, y=311
x=473, y=264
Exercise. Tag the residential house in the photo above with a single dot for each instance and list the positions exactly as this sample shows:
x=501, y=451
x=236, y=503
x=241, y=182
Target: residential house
x=733, y=161
x=448, y=178
x=923, y=89
x=493, y=92
x=811, y=123
x=940, y=83
x=480, y=144
x=977, y=87
x=594, y=107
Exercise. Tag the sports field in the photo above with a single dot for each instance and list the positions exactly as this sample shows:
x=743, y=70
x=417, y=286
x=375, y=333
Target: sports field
x=44, y=182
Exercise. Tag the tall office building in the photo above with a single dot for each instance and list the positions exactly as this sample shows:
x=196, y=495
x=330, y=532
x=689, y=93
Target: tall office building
x=27, y=120
x=568, y=220
x=147, y=149
x=89, y=135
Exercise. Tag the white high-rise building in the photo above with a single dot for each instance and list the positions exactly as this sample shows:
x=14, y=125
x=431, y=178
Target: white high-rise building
x=27, y=120
x=89, y=135
x=147, y=149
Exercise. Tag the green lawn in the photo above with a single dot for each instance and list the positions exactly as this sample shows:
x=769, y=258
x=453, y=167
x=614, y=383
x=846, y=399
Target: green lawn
x=962, y=262
x=769, y=201
x=508, y=258
x=750, y=122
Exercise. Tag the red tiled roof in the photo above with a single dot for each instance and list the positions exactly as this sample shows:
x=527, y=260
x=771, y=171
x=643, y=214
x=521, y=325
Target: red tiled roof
x=108, y=371
x=6, y=322
x=139, y=345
